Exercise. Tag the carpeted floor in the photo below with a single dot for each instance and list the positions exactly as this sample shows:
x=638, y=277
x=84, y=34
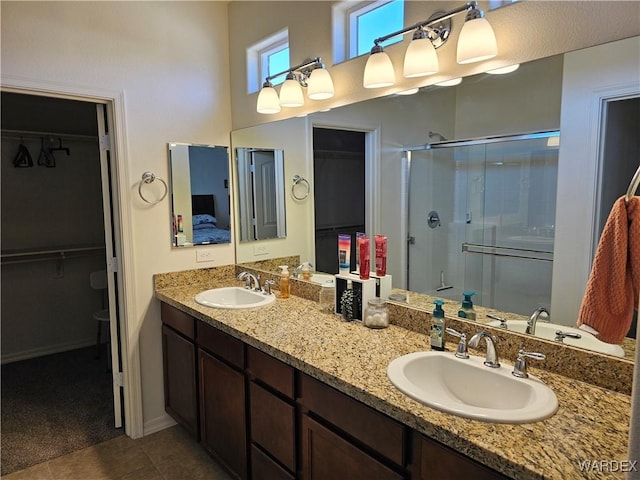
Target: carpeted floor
x=54, y=405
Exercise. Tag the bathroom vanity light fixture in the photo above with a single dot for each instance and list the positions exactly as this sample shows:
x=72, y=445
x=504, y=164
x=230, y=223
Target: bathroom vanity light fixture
x=476, y=42
x=310, y=74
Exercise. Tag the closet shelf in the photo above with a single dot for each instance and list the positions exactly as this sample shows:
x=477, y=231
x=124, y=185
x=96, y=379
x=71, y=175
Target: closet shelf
x=45, y=254
x=18, y=134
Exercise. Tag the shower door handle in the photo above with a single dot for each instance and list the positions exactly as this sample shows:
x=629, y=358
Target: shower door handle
x=411, y=240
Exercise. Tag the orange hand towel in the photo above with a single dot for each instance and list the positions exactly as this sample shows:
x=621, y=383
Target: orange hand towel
x=614, y=284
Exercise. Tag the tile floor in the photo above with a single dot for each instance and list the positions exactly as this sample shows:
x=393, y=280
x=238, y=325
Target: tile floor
x=166, y=455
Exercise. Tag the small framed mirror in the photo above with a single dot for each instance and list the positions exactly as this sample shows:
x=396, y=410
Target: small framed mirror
x=200, y=200
x=261, y=194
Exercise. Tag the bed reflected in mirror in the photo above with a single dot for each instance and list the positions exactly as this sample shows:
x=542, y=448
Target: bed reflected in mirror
x=200, y=202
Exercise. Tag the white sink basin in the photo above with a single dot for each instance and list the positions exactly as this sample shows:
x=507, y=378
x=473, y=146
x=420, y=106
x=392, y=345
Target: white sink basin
x=323, y=278
x=233, y=297
x=467, y=388
x=548, y=331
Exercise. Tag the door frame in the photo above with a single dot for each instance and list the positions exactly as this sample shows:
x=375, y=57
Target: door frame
x=371, y=173
x=115, y=105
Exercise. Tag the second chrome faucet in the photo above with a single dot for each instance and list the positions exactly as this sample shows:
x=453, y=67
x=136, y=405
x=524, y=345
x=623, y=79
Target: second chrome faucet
x=491, y=359
x=249, y=277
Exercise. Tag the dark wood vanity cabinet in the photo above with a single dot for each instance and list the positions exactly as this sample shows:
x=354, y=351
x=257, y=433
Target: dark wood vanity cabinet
x=343, y=438
x=222, y=398
x=327, y=455
x=433, y=460
x=272, y=414
x=264, y=420
x=179, y=368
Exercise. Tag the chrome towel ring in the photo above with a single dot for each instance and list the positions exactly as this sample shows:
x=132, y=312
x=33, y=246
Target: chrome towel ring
x=633, y=186
x=149, y=177
x=297, y=179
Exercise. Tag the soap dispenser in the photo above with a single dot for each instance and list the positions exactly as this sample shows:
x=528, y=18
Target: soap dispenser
x=467, y=311
x=306, y=271
x=284, y=281
x=437, y=327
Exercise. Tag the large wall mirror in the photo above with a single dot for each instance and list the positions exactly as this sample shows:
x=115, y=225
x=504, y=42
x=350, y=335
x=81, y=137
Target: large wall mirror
x=531, y=99
x=261, y=199
x=200, y=201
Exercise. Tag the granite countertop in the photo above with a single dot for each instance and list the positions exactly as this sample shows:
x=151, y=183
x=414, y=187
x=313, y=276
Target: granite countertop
x=591, y=424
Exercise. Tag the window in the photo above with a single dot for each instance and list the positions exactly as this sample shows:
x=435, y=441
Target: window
x=493, y=4
x=275, y=60
x=267, y=57
x=355, y=27
x=373, y=21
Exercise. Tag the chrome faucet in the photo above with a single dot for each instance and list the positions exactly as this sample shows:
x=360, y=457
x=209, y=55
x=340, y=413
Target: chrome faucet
x=298, y=270
x=533, y=320
x=503, y=321
x=520, y=367
x=248, y=277
x=461, y=351
x=491, y=359
x=560, y=336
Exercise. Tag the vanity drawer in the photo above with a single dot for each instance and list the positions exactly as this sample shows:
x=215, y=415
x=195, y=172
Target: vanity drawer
x=273, y=425
x=271, y=371
x=178, y=320
x=221, y=344
x=374, y=429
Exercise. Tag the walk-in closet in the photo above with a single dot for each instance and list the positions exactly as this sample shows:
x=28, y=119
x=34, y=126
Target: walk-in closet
x=56, y=374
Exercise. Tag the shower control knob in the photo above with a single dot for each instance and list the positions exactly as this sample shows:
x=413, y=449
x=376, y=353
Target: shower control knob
x=433, y=219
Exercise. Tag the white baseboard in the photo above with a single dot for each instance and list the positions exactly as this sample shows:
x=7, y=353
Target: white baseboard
x=46, y=350
x=157, y=424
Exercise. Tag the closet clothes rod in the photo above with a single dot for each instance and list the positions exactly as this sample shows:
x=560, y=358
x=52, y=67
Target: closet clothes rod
x=29, y=256
x=633, y=186
x=18, y=134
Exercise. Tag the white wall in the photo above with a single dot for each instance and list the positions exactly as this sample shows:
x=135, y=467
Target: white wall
x=583, y=90
x=170, y=62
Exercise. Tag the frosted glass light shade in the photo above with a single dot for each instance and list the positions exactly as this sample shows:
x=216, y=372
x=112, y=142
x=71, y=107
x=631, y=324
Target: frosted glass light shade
x=504, y=70
x=268, y=101
x=410, y=91
x=450, y=83
x=420, y=59
x=320, y=85
x=378, y=72
x=291, y=94
x=477, y=41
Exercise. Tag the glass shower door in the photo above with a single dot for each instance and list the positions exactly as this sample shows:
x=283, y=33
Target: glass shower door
x=495, y=202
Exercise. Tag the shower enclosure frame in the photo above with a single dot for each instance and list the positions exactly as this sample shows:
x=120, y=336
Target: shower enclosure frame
x=476, y=141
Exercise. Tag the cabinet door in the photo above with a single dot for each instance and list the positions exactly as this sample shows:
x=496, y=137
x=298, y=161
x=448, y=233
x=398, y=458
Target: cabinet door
x=222, y=413
x=179, y=370
x=326, y=455
x=372, y=428
x=263, y=468
x=436, y=461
